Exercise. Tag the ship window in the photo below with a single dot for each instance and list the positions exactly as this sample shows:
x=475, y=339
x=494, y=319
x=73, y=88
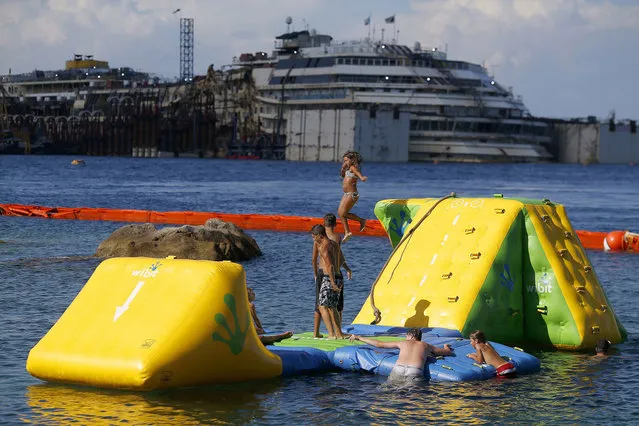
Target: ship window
x=378, y=62
x=385, y=62
x=325, y=62
x=347, y=61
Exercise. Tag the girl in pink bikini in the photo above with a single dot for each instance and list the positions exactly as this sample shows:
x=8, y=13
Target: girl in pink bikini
x=351, y=171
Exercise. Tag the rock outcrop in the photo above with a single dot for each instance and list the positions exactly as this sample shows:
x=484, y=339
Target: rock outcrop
x=215, y=240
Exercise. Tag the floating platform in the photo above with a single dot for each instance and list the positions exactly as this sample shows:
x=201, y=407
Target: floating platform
x=510, y=267
x=145, y=324
x=305, y=354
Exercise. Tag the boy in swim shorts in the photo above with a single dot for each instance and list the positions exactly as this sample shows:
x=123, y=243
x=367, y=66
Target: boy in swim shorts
x=328, y=278
x=330, y=221
x=486, y=354
x=412, y=355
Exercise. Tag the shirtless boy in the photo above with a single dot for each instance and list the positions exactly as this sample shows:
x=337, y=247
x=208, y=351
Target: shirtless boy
x=412, y=355
x=486, y=354
x=329, y=279
x=330, y=221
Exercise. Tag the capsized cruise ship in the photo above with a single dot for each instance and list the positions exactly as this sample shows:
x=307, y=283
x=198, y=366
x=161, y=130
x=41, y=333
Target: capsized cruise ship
x=391, y=102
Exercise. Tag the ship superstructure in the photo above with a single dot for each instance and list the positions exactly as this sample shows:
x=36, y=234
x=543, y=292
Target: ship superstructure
x=389, y=101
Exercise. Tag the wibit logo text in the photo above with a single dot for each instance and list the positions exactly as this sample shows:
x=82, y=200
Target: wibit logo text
x=149, y=272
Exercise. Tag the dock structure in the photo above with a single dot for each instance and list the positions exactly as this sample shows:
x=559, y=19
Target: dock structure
x=121, y=112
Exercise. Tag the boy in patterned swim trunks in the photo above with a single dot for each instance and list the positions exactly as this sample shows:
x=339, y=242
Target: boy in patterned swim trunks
x=329, y=287
x=330, y=221
x=486, y=354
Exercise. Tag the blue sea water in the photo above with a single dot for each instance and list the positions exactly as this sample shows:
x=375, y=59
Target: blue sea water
x=44, y=263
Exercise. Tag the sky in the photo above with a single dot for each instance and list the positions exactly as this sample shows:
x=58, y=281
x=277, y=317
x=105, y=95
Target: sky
x=566, y=58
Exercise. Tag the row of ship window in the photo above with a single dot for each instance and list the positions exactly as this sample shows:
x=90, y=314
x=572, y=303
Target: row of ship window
x=476, y=127
x=393, y=79
x=377, y=61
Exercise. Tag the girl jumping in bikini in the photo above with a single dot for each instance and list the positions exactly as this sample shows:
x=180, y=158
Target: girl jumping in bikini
x=351, y=171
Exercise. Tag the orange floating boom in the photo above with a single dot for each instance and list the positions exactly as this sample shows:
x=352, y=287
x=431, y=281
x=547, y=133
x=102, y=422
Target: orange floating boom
x=245, y=221
x=590, y=240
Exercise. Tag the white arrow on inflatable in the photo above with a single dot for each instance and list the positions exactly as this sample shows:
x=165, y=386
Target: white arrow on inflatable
x=119, y=310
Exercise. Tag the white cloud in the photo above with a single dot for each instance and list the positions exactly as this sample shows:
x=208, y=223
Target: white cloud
x=520, y=40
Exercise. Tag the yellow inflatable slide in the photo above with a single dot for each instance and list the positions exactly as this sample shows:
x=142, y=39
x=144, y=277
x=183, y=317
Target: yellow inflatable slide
x=144, y=324
x=511, y=267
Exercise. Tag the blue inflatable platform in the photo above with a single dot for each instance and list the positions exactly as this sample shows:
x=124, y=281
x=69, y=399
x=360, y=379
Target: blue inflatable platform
x=304, y=354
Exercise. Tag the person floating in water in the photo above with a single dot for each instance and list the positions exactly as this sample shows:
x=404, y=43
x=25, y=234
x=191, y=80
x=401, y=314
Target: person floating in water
x=412, y=355
x=329, y=226
x=329, y=278
x=602, y=347
x=265, y=339
x=351, y=171
x=486, y=354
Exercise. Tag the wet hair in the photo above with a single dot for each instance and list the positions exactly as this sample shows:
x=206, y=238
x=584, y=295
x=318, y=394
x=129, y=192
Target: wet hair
x=318, y=230
x=354, y=156
x=415, y=332
x=602, y=346
x=330, y=220
x=478, y=335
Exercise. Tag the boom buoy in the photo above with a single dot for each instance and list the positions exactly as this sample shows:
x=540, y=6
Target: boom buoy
x=621, y=241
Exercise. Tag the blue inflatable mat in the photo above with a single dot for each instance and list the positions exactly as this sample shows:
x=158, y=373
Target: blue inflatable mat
x=378, y=330
x=457, y=367
x=300, y=360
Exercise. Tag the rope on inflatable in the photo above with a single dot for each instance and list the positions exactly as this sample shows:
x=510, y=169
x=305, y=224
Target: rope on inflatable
x=406, y=237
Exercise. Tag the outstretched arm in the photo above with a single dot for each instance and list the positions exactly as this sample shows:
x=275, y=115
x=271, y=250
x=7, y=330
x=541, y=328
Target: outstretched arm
x=376, y=343
x=361, y=177
x=446, y=350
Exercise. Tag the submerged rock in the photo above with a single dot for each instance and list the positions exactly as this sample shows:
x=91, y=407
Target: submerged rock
x=215, y=240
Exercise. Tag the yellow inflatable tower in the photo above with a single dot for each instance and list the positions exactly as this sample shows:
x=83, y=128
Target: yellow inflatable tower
x=513, y=268
x=144, y=324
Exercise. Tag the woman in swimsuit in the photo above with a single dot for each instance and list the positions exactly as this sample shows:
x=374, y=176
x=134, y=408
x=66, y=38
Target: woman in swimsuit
x=350, y=172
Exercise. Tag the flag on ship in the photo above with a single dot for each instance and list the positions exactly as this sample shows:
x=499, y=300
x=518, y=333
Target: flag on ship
x=390, y=20
x=367, y=21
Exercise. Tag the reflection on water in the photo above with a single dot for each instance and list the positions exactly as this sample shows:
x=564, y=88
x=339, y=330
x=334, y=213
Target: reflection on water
x=59, y=404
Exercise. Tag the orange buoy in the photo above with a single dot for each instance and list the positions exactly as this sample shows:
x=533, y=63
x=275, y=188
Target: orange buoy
x=616, y=241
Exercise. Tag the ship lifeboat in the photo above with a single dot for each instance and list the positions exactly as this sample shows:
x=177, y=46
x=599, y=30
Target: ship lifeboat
x=621, y=241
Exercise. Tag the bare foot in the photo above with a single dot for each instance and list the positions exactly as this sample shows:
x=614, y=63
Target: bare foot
x=332, y=338
x=362, y=225
x=347, y=236
x=318, y=336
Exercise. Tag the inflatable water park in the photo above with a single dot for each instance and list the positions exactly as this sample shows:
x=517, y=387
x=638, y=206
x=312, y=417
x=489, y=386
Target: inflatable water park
x=513, y=268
